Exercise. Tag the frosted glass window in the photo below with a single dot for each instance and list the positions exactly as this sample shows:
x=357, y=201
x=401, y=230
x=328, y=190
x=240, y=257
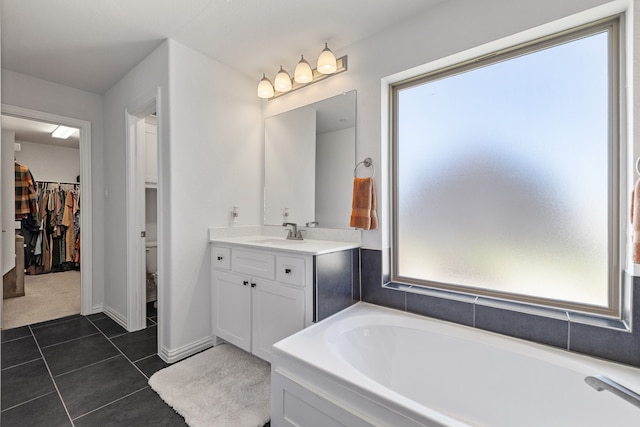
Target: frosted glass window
x=505, y=175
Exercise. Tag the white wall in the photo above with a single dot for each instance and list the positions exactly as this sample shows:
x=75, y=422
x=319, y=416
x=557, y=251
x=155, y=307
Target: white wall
x=145, y=78
x=1, y=217
x=451, y=27
x=27, y=92
x=210, y=149
x=49, y=163
x=8, y=247
x=216, y=162
x=335, y=160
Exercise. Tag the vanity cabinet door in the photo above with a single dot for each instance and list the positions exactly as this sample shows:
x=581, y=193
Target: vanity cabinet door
x=232, y=308
x=278, y=311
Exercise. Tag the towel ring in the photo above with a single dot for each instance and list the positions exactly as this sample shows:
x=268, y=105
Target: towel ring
x=369, y=163
x=638, y=165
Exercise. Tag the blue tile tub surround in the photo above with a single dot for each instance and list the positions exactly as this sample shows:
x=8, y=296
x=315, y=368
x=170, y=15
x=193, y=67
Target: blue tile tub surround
x=335, y=273
x=543, y=330
x=441, y=308
x=558, y=330
x=371, y=279
x=356, y=274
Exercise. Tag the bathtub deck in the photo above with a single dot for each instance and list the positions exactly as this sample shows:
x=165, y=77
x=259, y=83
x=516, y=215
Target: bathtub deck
x=437, y=373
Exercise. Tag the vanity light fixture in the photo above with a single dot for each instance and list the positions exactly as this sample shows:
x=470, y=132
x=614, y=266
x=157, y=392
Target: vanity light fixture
x=282, y=81
x=327, y=61
x=265, y=88
x=63, y=132
x=303, y=75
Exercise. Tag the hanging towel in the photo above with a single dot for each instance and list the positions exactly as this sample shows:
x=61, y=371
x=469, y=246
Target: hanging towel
x=635, y=220
x=363, y=212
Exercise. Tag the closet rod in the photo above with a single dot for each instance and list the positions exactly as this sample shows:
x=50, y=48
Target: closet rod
x=57, y=182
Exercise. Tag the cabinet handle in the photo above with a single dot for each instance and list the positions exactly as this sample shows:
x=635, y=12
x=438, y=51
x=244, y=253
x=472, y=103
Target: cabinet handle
x=253, y=285
x=287, y=271
x=246, y=282
x=220, y=258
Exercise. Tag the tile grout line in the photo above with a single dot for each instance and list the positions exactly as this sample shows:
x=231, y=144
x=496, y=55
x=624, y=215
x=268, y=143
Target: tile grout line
x=27, y=401
x=107, y=404
x=20, y=364
x=55, y=385
x=121, y=352
x=145, y=358
x=15, y=339
x=68, y=341
x=86, y=366
x=55, y=322
x=116, y=336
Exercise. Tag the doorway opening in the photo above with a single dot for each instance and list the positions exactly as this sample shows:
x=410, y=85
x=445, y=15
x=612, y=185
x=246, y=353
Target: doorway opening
x=151, y=217
x=46, y=241
x=144, y=216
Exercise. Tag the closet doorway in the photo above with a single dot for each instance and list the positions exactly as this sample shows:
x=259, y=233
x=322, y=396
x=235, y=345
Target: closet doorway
x=47, y=269
x=144, y=216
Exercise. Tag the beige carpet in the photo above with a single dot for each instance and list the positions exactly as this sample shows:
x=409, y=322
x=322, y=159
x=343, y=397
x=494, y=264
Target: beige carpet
x=47, y=296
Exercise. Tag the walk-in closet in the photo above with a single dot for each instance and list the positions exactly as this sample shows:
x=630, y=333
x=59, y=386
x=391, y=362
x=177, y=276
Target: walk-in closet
x=41, y=206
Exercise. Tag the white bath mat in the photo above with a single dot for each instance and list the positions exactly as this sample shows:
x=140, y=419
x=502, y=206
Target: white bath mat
x=222, y=386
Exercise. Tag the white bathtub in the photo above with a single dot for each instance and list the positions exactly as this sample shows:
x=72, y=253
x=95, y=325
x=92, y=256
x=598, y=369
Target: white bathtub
x=370, y=365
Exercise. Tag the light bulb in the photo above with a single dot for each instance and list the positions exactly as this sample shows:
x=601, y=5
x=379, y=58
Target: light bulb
x=265, y=88
x=282, y=81
x=327, y=61
x=303, y=73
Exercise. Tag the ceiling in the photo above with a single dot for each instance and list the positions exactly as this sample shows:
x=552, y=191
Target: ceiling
x=92, y=44
x=37, y=132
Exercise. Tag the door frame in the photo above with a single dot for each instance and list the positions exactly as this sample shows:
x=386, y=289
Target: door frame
x=135, y=114
x=86, y=238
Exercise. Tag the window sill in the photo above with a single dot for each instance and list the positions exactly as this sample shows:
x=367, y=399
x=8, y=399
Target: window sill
x=525, y=309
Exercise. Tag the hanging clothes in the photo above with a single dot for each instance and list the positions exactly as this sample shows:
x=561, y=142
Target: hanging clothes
x=57, y=240
x=68, y=223
x=25, y=192
x=42, y=215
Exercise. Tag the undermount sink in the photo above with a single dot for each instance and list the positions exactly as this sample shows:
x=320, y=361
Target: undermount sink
x=282, y=242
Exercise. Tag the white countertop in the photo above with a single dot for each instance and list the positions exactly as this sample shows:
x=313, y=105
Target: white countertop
x=306, y=246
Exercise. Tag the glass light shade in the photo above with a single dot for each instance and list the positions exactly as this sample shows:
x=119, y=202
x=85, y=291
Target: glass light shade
x=282, y=81
x=265, y=88
x=327, y=61
x=303, y=73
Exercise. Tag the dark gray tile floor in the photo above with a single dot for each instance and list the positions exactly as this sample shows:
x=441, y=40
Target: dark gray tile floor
x=82, y=371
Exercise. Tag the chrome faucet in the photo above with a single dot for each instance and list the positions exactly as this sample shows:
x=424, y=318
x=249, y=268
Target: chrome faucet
x=600, y=382
x=294, y=233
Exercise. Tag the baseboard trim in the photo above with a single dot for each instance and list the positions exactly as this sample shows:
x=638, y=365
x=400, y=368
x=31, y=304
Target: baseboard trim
x=174, y=355
x=115, y=316
x=98, y=308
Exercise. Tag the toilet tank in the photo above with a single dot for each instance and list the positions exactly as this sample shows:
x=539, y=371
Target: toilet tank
x=152, y=256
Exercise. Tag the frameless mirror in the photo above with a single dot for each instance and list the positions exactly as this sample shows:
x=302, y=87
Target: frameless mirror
x=309, y=160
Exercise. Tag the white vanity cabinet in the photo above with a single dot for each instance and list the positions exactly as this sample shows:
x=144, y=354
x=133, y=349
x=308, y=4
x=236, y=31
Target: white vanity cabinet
x=260, y=296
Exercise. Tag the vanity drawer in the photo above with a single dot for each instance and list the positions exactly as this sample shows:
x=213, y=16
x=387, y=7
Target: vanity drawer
x=290, y=270
x=221, y=258
x=255, y=264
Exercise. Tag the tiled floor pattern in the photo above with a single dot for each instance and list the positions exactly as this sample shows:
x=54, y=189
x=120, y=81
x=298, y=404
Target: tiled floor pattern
x=82, y=371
